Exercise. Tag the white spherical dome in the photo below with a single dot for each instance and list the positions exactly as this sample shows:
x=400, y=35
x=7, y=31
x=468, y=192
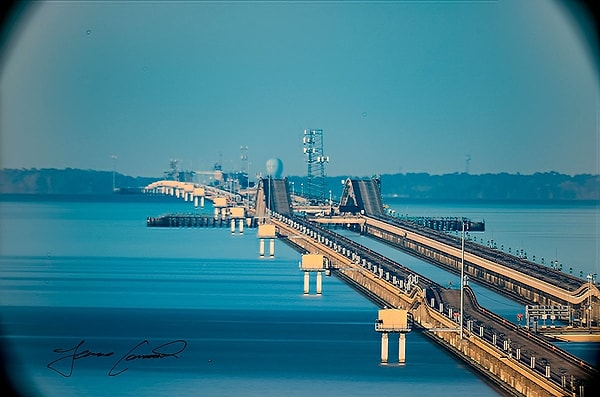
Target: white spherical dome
x=274, y=168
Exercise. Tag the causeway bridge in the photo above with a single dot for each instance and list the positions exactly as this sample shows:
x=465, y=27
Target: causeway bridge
x=522, y=280
x=516, y=359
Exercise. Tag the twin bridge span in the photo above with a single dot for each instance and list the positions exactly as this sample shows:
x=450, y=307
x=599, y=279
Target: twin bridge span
x=514, y=358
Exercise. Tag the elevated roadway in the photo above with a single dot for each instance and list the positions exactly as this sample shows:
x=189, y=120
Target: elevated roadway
x=514, y=359
x=526, y=281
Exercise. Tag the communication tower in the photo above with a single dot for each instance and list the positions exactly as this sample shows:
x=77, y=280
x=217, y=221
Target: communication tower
x=315, y=160
x=245, y=167
x=173, y=172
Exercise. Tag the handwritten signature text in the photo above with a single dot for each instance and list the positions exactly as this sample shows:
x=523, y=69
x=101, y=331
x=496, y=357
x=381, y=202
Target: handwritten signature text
x=65, y=364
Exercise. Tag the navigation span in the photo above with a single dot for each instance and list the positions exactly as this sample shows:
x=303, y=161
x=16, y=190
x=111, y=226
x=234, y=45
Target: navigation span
x=518, y=360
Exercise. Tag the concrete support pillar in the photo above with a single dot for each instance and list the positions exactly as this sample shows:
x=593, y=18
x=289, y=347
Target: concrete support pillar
x=532, y=364
x=241, y=226
x=223, y=212
x=518, y=353
x=196, y=201
x=384, y=347
x=202, y=202
x=481, y=331
x=233, y=226
x=272, y=247
x=217, y=213
x=306, y=282
x=402, y=348
x=262, y=247
x=547, y=371
x=319, y=282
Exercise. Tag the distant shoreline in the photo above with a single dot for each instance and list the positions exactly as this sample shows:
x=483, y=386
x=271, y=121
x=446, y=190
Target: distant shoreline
x=116, y=197
x=458, y=187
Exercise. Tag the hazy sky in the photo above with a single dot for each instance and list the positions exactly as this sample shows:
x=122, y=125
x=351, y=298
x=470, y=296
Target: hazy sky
x=396, y=86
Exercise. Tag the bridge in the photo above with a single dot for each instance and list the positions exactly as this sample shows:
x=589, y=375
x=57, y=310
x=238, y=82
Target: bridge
x=517, y=359
x=193, y=192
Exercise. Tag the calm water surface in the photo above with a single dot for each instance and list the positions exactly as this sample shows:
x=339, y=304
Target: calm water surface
x=196, y=311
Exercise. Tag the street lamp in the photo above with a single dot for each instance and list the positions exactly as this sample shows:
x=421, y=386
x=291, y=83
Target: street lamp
x=114, y=158
x=462, y=275
x=589, y=305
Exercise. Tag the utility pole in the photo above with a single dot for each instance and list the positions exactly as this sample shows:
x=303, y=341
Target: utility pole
x=114, y=180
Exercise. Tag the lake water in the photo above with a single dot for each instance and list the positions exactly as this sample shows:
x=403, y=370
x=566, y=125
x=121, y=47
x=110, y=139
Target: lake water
x=164, y=312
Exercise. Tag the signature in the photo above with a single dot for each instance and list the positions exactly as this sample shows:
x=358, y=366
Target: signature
x=65, y=364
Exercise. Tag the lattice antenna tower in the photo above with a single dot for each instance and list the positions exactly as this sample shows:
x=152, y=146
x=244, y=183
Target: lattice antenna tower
x=173, y=172
x=245, y=165
x=315, y=161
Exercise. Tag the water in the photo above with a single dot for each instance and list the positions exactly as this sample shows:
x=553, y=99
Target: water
x=90, y=273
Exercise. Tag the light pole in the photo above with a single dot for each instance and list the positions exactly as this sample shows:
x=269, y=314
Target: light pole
x=269, y=206
x=589, y=305
x=248, y=186
x=244, y=158
x=462, y=277
x=114, y=158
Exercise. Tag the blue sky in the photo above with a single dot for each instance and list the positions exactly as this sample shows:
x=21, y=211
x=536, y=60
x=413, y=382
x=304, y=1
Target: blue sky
x=396, y=86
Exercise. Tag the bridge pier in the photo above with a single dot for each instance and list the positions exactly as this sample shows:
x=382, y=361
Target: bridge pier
x=306, y=283
x=199, y=198
x=319, y=282
x=395, y=321
x=313, y=263
x=267, y=231
x=384, y=347
x=271, y=247
x=240, y=226
x=402, y=348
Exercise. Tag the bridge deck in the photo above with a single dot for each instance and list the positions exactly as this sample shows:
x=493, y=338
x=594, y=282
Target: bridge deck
x=504, y=336
x=553, y=283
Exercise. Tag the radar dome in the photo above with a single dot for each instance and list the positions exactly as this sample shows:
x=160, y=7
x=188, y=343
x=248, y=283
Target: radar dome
x=274, y=168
